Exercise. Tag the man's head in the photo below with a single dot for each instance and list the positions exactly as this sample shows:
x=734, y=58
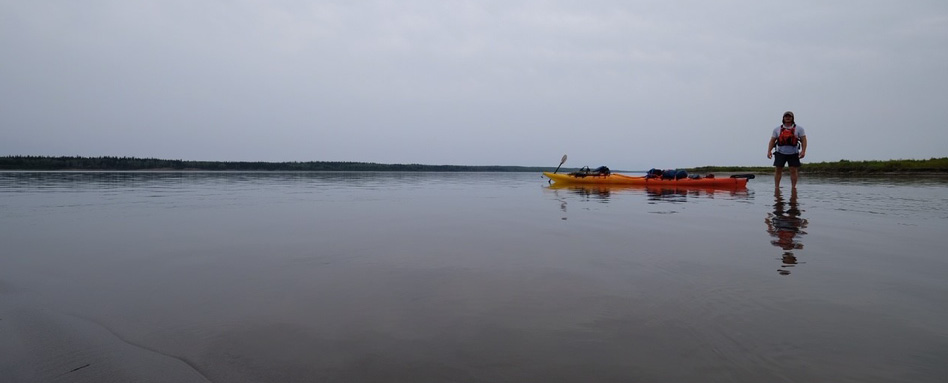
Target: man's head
x=788, y=117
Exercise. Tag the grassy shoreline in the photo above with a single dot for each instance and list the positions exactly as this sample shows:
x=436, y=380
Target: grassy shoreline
x=935, y=166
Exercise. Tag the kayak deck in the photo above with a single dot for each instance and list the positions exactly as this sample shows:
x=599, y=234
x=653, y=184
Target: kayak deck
x=622, y=179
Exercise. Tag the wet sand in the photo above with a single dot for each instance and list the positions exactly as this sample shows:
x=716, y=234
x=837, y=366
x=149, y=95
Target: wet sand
x=42, y=345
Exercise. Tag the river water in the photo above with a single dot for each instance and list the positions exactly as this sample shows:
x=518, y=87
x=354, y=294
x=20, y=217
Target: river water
x=468, y=277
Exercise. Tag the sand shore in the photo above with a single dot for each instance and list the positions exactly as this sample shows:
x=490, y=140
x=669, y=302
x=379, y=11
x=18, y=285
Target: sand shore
x=38, y=344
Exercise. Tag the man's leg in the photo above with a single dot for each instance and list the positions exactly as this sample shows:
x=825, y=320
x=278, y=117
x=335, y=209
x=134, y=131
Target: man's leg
x=793, y=176
x=778, y=172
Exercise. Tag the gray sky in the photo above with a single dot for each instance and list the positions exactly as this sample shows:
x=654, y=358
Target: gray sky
x=632, y=85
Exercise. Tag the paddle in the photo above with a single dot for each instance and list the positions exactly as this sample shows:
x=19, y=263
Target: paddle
x=748, y=176
x=562, y=161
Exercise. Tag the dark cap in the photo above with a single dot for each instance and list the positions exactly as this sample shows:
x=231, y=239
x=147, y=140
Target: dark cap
x=788, y=113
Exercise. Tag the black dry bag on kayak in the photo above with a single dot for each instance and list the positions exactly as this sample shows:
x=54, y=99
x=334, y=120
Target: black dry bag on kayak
x=674, y=174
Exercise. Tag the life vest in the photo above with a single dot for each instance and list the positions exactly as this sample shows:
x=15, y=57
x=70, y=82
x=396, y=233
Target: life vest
x=788, y=136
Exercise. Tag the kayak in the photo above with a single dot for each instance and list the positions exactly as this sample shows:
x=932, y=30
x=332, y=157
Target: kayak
x=622, y=179
x=652, y=190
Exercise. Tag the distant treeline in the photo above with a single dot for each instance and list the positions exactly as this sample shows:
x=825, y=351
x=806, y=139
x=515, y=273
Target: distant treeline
x=933, y=165
x=132, y=163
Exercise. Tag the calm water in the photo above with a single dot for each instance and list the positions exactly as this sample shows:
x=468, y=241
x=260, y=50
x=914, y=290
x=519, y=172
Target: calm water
x=442, y=277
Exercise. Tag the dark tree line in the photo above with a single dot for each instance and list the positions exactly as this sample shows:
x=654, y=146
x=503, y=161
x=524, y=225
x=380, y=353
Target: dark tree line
x=133, y=163
x=934, y=165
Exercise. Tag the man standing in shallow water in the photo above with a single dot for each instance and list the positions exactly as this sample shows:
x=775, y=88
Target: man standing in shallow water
x=790, y=141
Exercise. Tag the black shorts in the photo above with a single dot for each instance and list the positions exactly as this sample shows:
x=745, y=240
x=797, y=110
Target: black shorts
x=787, y=159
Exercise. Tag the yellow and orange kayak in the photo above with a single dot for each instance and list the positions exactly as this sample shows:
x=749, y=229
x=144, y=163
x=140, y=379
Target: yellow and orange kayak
x=622, y=179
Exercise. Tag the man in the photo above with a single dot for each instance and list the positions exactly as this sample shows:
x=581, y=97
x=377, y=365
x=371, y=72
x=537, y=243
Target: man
x=790, y=141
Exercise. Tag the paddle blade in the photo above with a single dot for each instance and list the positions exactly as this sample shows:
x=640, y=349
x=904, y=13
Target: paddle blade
x=561, y=164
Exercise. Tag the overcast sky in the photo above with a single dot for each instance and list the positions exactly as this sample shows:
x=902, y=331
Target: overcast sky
x=627, y=84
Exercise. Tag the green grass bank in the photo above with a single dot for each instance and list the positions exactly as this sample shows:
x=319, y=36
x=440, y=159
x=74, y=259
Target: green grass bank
x=846, y=167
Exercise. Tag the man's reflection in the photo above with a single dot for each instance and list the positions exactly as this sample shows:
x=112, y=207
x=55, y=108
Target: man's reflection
x=785, y=225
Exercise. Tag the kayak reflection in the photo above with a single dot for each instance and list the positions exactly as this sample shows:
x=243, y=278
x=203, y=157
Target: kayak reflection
x=785, y=226
x=654, y=193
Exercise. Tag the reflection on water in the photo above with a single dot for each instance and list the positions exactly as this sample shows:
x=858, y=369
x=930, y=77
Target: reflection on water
x=470, y=277
x=675, y=194
x=640, y=195
x=602, y=193
x=785, y=226
x=599, y=194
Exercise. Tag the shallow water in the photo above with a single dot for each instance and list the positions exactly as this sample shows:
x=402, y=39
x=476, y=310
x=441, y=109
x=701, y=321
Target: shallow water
x=476, y=277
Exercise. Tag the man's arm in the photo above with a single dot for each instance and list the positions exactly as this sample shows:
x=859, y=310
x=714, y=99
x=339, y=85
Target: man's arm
x=770, y=147
x=802, y=146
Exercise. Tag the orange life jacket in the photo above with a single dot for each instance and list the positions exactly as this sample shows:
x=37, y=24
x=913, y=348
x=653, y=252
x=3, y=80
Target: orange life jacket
x=788, y=136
